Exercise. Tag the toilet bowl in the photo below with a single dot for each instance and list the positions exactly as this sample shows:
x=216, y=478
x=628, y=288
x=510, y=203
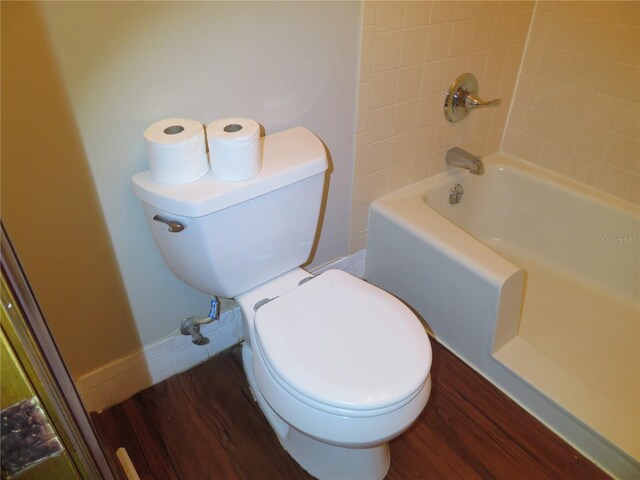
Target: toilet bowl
x=339, y=367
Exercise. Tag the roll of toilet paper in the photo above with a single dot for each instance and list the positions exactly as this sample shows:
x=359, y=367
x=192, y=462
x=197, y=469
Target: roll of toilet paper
x=177, y=150
x=234, y=148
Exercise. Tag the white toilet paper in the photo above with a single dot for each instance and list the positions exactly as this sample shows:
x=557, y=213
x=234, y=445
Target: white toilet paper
x=177, y=150
x=234, y=148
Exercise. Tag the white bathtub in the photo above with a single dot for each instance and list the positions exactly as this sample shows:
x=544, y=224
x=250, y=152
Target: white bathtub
x=534, y=280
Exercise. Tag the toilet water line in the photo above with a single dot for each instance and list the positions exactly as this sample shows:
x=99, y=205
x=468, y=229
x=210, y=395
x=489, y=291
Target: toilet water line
x=191, y=324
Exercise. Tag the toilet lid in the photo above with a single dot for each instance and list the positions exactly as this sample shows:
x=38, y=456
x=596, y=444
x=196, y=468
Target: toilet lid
x=344, y=343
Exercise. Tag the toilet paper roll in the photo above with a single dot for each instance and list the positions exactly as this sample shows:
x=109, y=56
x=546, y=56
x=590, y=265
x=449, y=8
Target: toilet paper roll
x=234, y=148
x=177, y=150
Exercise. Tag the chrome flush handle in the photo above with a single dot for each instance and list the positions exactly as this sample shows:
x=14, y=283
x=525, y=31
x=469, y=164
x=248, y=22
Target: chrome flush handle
x=174, y=225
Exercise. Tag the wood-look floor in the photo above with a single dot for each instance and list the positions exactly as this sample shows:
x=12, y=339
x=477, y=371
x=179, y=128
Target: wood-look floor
x=204, y=424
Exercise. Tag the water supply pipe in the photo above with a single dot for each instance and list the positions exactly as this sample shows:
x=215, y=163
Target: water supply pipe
x=191, y=324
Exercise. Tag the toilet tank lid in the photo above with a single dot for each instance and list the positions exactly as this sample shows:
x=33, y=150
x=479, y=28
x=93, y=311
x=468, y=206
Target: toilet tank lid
x=287, y=157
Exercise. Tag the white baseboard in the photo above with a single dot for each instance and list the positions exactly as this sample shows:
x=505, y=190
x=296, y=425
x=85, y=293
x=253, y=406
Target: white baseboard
x=122, y=378
x=126, y=376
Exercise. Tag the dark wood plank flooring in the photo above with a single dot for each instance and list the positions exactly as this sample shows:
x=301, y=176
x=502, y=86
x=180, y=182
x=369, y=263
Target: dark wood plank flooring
x=204, y=424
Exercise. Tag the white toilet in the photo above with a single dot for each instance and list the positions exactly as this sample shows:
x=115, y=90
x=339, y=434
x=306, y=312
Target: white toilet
x=338, y=366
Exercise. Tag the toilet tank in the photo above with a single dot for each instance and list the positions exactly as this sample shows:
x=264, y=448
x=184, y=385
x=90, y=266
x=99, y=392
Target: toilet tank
x=238, y=235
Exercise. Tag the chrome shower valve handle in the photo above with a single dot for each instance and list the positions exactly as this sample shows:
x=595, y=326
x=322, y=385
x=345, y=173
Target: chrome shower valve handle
x=462, y=97
x=472, y=101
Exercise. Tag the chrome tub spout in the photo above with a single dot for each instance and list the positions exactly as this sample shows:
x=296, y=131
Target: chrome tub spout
x=460, y=158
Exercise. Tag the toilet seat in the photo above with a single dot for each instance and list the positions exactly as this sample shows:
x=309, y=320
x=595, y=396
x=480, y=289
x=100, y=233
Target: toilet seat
x=343, y=346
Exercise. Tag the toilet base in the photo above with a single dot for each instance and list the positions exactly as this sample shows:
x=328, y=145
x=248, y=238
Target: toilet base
x=325, y=461
x=322, y=460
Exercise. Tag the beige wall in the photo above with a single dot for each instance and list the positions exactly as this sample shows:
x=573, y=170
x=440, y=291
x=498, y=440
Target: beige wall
x=49, y=204
x=410, y=54
x=112, y=69
x=576, y=109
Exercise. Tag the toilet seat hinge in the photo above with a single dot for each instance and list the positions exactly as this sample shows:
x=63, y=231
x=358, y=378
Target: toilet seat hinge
x=262, y=302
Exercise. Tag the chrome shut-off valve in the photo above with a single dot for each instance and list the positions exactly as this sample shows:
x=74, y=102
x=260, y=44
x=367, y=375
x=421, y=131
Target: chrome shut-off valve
x=191, y=324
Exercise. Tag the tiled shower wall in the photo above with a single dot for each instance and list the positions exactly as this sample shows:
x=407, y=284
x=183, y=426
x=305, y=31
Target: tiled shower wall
x=576, y=108
x=410, y=53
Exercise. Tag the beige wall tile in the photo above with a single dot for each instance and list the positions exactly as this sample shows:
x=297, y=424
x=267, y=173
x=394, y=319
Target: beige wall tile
x=615, y=78
x=502, y=31
x=420, y=168
x=362, y=118
x=377, y=156
x=360, y=155
x=574, y=102
x=389, y=15
x=442, y=11
x=633, y=191
x=553, y=63
x=430, y=110
x=495, y=62
x=546, y=93
x=599, y=111
x=401, y=148
x=584, y=169
x=623, y=152
x=580, y=71
x=423, y=142
x=582, y=63
x=383, y=88
x=455, y=66
x=520, y=27
x=406, y=68
x=613, y=180
x=634, y=91
x=414, y=43
x=514, y=58
x=409, y=83
x=436, y=162
x=357, y=196
x=510, y=141
x=445, y=133
x=507, y=86
x=380, y=123
x=357, y=240
x=482, y=33
x=628, y=121
x=466, y=9
x=532, y=59
x=386, y=50
x=592, y=141
x=563, y=131
x=374, y=186
x=492, y=141
x=399, y=175
x=368, y=12
x=518, y=117
x=417, y=13
x=622, y=43
x=433, y=77
x=459, y=43
x=487, y=9
x=530, y=147
x=477, y=62
x=406, y=116
x=366, y=53
x=537, y=122
x=438, y=41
